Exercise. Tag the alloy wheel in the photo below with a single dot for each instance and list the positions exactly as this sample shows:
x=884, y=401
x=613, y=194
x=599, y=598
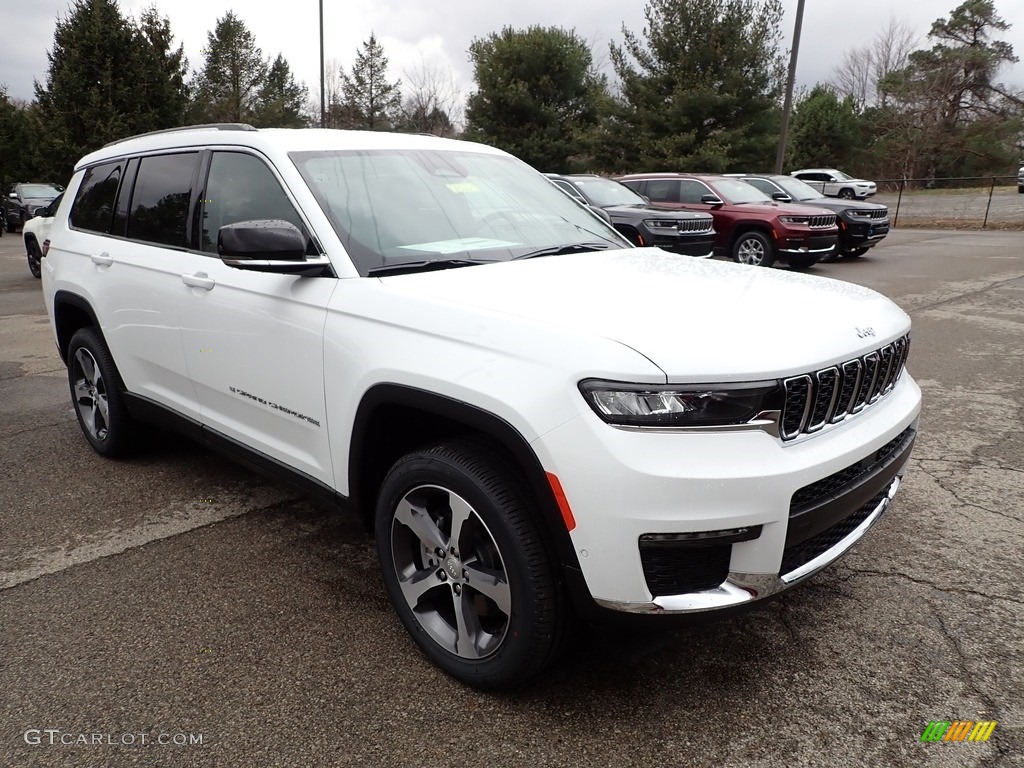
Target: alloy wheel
x=451, y=572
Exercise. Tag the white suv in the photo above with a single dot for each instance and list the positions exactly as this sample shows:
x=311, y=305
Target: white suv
x=539, y=420
x=833, y=183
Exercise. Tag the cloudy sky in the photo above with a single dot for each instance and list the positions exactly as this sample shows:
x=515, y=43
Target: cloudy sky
x=439, y=32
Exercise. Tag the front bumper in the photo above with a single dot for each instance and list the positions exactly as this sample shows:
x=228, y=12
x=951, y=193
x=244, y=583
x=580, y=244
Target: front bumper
x=808, y=502
x=857, y=234
x=796, y=242
x=700, y=245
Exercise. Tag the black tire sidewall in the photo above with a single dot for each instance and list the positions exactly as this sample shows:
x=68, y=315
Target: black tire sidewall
x=35, y=262
x=120, y=427
x=530, y=639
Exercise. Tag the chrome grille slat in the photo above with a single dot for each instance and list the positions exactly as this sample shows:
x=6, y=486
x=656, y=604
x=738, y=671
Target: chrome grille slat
x=798, y=403
x=824, y=398
x=831, y=395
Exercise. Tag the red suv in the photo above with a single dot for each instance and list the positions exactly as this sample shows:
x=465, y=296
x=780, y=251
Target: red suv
x=752, y=228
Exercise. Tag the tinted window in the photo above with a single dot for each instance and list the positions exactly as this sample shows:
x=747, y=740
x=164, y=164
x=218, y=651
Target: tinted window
x=570, y=190
x=691, y=191
x=159, y=208
x=242, y=188
x=765, y=186
x=94, y=203
x=663, y=191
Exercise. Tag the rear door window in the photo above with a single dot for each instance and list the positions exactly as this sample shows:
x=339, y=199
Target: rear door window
x=161, y=198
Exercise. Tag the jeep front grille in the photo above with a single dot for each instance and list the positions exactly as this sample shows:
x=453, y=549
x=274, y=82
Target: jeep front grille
x=871, y=214
x=696, y=225
x=832, y=394
x=822, y=221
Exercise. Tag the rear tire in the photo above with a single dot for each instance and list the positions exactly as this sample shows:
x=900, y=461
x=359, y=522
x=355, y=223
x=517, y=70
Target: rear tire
x=96, y=394
x=465, y=564
x=35, y=258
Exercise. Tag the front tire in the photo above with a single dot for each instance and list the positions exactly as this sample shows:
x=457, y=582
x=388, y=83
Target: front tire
x=753, y=248
x=846, y=194
x=96, y=394
x=465, y=565
x=35, y=258
x=855, y=253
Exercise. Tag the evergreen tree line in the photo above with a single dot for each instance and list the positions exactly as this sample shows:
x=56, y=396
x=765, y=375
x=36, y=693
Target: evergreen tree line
x=699, y=89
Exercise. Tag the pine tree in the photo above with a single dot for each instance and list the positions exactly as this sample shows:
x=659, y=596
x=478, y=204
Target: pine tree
x=369, y=101
x=234, y=73
x=701, y=90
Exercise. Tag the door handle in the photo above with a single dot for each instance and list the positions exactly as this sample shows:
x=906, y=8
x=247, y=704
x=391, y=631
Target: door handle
x=199, y=280
x=102, y=259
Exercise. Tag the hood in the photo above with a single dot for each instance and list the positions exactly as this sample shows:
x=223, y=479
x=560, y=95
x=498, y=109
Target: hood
x=654, y=212
x=793, y=209
x=697, y=320
x=835, y=205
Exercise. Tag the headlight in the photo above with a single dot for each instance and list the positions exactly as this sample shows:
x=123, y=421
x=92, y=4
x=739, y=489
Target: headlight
x=793, y=219
x=669, y=405
x=662, y=223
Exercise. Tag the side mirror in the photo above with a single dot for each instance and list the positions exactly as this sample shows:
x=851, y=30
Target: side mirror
x=13, y=195
x=601, y=212
x=263, y=245
x=782, y=197
x=712, y=200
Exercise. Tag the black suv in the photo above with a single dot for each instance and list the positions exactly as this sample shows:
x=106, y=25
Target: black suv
x=21, y=202
x=861, y=225
x=686, y=232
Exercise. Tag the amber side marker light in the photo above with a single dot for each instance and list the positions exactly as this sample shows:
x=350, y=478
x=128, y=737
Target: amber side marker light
x=563, y=503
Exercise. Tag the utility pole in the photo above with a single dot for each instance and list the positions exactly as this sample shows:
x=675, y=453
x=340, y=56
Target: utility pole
x=323, y=105
x=787, y=106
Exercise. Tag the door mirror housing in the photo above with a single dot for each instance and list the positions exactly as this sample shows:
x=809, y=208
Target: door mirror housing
x=264, y=245
x=712, y=200
x=781, y=197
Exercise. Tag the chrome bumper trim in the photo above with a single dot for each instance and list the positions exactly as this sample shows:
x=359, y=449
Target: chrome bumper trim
x=740, y=588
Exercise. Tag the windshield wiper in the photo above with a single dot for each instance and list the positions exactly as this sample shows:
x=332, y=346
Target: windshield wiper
x=424, y=266
x=559, y=250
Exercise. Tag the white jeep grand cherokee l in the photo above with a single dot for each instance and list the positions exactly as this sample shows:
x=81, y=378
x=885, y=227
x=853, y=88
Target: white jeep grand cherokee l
x=540, y=421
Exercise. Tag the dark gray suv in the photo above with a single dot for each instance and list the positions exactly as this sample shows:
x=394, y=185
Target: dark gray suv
x=686, y=232
x=862, y=225
x=21, y=202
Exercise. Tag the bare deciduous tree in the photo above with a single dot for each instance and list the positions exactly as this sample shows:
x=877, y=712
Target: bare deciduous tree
x=862, y=69
x=432, y=100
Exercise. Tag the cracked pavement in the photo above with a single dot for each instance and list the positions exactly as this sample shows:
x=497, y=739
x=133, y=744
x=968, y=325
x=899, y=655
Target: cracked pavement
x=177, y=593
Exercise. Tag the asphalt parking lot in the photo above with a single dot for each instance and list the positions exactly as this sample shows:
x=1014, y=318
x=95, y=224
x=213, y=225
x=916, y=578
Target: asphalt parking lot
x=176, y=610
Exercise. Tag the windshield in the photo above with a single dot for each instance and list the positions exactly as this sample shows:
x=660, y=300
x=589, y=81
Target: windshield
x=605, y=192
x=840, y=176
x=393, y=207
x=44, y=191
x=735, y=192
x=797, y=189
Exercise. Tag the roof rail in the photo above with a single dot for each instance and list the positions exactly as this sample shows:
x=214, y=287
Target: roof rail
x=203, y=127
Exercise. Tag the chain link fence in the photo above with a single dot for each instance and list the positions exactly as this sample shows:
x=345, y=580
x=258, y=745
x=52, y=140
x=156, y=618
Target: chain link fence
x=969, y=202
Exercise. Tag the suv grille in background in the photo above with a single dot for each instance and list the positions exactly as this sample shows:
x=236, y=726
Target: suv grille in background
x=873, y=214
x=696, y=225
x=830, y=395
x=822, y=221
